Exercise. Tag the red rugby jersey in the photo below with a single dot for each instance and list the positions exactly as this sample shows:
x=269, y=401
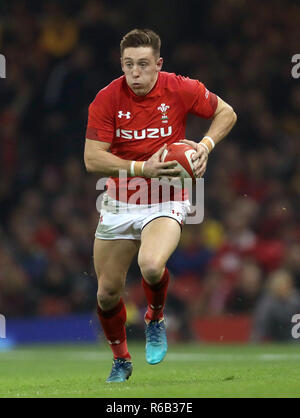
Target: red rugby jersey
x=138, y=126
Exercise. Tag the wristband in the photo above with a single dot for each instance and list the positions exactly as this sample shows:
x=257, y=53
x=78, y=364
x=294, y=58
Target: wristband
x=144, y=162
x=205, y=146
x=137, y=168
x=132, y=168
x=208, y=142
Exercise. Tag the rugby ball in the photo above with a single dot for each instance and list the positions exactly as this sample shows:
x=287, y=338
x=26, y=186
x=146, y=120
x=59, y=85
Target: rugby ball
x=182, y=153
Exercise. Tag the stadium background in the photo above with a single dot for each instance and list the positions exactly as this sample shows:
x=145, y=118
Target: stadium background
x=236, y=277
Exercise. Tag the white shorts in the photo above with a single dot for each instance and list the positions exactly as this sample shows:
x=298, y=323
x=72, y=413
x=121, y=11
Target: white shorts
x=120, y=220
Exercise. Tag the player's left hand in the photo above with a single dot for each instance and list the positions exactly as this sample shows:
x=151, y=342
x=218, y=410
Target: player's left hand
x=199, y=158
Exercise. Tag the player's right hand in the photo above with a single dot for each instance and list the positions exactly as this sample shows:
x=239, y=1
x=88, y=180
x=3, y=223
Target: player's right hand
x=154, y=167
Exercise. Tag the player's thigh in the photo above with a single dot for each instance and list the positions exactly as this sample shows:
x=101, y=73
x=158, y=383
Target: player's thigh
x=159, y=240
x=112, y=259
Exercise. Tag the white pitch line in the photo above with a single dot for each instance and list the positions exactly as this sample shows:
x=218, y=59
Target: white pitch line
x=25, y=355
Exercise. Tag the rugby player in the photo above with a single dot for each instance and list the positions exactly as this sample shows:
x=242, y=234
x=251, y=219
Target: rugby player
x=130, y=123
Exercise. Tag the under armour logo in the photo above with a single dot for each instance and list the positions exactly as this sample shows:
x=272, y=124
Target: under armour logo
x=156, y=307
x=114, y=342
x=121, y=114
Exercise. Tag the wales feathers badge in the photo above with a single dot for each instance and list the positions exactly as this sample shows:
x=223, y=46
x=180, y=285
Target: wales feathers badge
x=164, y=108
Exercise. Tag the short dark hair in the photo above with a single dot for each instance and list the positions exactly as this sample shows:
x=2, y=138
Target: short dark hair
x=141, y=37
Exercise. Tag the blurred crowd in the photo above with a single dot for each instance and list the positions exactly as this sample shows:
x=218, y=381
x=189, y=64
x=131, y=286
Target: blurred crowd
x=245, y=257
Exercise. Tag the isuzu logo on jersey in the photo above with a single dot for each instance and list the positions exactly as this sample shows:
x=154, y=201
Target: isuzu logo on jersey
x=121, y=114
x=144, y=133
x=164, y=108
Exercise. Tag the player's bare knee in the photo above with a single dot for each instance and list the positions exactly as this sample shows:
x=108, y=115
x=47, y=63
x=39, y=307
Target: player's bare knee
x=108, y=298
x=151, y=271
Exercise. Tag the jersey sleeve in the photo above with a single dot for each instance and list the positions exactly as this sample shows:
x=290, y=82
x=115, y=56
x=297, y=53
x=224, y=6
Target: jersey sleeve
x=197, y=98
x=100, y=126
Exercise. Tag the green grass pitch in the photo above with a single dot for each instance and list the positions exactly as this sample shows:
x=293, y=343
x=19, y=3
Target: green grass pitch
x=189, y=370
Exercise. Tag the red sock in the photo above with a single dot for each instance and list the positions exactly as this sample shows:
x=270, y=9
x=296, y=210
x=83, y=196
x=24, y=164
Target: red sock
x=113, y=324
x=156, y=296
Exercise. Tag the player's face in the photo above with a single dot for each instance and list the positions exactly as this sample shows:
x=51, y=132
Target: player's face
x=141, y=68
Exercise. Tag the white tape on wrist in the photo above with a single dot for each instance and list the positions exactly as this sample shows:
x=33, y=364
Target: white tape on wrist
x=210, y=140
x=205, y=146
x=132, y=168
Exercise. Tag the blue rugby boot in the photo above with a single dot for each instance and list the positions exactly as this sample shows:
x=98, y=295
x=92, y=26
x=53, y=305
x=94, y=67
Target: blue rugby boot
x=156, y=341
x=121, y=371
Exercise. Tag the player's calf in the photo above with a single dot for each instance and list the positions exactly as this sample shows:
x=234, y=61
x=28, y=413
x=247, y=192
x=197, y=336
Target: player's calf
x=113, y=323
x=156, y=295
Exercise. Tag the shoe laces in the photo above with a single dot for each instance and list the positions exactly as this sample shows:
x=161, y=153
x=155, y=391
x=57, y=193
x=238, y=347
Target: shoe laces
x=154, y=334
x=118, y=365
